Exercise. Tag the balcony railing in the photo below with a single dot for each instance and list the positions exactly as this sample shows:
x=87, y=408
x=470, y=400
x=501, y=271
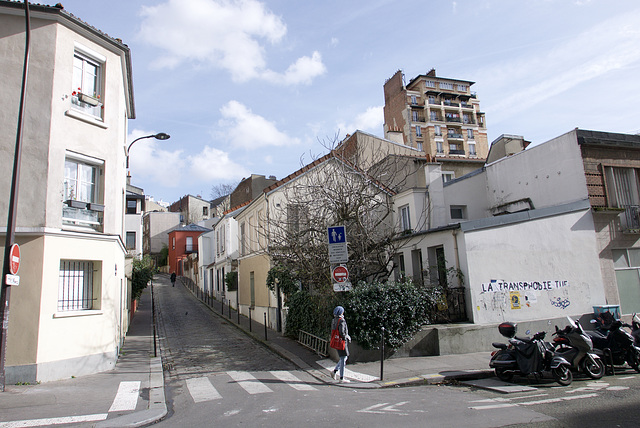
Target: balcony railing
x=456, y=152
x=453, y=119
x=454, y=135
x=631, y=218
x=82, y=214
x=450, y=103
x=191, y=248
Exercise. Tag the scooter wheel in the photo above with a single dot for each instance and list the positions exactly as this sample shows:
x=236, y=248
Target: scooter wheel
x=562, y=375
x=594, y=368
x=504, y=375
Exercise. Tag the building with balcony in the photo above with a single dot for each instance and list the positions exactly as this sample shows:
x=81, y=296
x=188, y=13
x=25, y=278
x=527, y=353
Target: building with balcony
x=183, y=242
x=69, y=314
x=438, y=116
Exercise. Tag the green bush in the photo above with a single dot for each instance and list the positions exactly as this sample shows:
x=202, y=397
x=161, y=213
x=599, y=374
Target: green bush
x=231, y=280
x=310, y=313
x=141, y=274
x=401, y=308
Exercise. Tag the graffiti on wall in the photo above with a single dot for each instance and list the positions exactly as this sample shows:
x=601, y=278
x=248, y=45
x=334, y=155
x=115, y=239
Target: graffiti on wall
x=500, y=296
x=497, y=285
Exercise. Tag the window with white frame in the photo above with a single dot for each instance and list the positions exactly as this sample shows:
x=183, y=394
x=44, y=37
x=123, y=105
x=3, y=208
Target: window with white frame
x=462, y=88
x=470, y=134
x=243, y=248
x=626, y=262
x=78, y=286
x=623, y=191
x=82, y=191
x=430, y=83
x=418, y=131
x=439, y=148
x=405, y=218
x=438, y=130
x=446, y=85
x=447, y=176
x=419, y=145
x=88, y=69
x=472, y=148
x=414, y=99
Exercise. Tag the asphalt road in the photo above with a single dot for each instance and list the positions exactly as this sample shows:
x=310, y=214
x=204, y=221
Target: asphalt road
x=218, y=376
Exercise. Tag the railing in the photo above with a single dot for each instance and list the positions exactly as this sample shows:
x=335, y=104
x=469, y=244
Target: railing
x=453, y=119
x=452, y=308
x=456, y=152
x=316, y=344
x=454, y=135
x=191, y=248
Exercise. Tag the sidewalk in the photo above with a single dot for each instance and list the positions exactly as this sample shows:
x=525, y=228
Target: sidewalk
x=87, y=399
x=90, y=399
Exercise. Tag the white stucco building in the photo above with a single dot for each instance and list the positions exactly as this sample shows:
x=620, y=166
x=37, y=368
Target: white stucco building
x=69, y=314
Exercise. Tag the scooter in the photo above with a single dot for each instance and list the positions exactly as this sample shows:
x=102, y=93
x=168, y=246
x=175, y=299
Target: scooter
x=525, y=356
x=575, y=346
x=614, y=344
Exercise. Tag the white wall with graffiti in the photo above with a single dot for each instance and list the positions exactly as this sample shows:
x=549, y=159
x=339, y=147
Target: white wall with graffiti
x=532, y=265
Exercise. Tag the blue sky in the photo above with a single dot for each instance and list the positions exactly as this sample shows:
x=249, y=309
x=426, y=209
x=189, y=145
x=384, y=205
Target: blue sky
x=256, y=86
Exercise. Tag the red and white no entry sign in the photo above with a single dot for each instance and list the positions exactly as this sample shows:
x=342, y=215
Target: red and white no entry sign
x=340, y=274
x=14, y=259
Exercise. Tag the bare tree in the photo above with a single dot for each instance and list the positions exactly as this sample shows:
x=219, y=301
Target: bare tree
x=223, y=189
x=333, y=191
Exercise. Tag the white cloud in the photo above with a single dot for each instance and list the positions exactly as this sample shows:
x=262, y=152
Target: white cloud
x=213, y=164
x=371, y=120
x=245, y=129
x=302, y=71
x=223, y=33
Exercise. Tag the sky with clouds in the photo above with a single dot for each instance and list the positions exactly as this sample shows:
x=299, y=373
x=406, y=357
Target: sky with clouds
x=248, y=86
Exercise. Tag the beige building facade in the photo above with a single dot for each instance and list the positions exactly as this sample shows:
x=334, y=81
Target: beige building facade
x=69, y=314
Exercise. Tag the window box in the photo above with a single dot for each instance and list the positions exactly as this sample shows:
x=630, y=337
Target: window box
x=92, y=101
x=76, y=204
x=96, y=207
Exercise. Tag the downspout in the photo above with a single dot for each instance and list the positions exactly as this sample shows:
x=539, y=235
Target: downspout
x=454, y=232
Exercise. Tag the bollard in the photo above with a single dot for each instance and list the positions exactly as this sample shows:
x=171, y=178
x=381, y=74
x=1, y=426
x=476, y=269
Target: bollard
x=382, y=355
x=153, y=319
x=265, y=326
x=249, y=319
x=229, y=308
x=222, y=308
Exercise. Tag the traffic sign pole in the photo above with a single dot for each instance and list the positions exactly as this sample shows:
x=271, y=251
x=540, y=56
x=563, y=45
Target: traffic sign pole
x=5, y=294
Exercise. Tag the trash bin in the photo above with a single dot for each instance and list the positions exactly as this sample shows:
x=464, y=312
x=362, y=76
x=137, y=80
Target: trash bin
x=613, y=309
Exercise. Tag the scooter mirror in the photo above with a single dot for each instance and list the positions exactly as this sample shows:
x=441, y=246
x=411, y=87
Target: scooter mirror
x=593, y=321
x=571, y=322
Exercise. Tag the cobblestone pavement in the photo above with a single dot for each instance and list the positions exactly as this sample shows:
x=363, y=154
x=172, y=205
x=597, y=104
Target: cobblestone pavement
x=194, y=341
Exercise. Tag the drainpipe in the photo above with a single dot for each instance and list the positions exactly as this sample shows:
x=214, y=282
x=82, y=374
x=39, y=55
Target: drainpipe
x=454, y=232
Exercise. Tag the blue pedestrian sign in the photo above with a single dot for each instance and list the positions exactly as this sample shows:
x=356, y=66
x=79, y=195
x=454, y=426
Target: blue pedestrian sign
x=337, y=235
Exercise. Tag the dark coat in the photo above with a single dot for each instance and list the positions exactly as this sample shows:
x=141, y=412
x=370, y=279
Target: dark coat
x=343, y=330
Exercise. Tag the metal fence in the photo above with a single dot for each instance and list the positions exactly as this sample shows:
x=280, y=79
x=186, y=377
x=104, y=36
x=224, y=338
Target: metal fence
x=316, y=344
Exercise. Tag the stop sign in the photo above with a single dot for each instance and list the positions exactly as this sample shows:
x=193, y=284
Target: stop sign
x=14, y=259
x=340, y=274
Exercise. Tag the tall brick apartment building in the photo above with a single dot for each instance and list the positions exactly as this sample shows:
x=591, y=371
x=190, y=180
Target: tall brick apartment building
x=440, y=116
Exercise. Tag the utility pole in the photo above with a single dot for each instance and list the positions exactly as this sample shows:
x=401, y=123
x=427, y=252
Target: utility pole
x=5, y=293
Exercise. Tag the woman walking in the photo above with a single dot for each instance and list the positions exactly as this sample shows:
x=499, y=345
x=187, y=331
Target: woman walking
x=340, y=324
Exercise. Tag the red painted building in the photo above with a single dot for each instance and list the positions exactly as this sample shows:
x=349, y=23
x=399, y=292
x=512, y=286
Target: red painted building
x=182, y=242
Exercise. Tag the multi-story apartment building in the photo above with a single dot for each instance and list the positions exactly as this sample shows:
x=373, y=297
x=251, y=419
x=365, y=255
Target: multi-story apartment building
x=192, y=209
x=69, y=314
x=438, y=116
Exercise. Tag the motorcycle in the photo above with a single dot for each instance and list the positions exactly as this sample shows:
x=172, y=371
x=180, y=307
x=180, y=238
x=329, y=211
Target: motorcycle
x=575, y=346
x=614, y=344
x=525, y=356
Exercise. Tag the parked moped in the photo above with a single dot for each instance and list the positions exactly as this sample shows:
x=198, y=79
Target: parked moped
x=613, y=343
x=524, y=356
x=575, y=346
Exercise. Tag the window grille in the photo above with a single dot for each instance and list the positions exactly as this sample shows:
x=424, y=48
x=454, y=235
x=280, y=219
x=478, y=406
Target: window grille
x=75, y=286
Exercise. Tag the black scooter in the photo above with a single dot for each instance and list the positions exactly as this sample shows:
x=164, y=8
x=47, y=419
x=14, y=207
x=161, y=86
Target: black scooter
x=613, y=344
x=575, y=346
x=525, y=356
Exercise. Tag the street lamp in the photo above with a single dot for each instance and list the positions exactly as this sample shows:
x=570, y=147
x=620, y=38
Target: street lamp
x=159, y=136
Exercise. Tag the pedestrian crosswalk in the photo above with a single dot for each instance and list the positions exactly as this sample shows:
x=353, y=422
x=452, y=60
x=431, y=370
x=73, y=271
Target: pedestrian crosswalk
x=202, y=389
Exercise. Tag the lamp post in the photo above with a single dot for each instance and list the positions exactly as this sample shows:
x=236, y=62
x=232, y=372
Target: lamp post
x=159, y=136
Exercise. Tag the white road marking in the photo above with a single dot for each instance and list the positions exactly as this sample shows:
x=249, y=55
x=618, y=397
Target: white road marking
x=504, y=400
x=249, y=383
x=292, y=381
x=384, y=408
x=361, y=377
x=201, y=390
x=126, y=397
x=54, y=421
x=532, y=403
